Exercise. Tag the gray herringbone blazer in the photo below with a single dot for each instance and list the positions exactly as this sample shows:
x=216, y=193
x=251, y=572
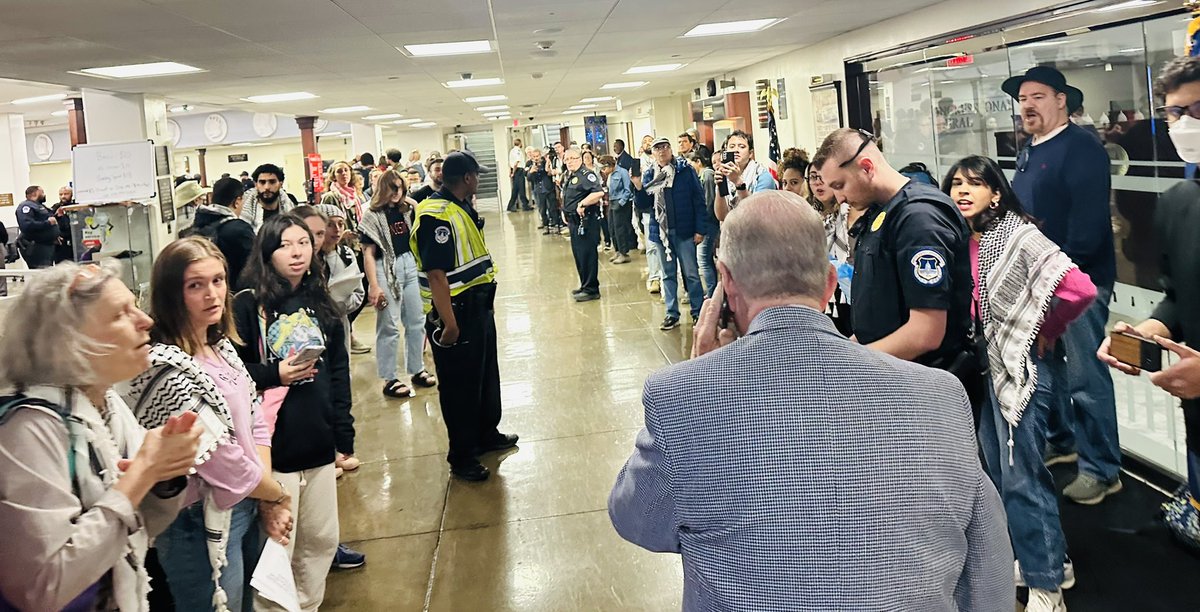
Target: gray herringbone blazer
x=796, y=470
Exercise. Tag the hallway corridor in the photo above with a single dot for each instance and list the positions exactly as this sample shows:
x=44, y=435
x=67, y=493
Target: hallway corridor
x=536, y=535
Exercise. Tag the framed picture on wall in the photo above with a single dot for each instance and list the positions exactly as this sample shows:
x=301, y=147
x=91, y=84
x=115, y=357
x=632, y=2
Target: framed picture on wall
x=827, y=108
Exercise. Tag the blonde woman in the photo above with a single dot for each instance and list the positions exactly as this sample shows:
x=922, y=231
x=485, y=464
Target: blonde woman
x=344, y=188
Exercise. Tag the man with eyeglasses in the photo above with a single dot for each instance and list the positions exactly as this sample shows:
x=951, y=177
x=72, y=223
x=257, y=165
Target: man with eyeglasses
x=911, y=291
x=1063, y=180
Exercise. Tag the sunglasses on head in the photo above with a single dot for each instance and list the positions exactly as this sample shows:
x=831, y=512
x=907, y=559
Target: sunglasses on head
x=868, y=138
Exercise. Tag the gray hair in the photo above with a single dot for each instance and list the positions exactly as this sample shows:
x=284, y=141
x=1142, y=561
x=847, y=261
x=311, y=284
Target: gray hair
x=573, y=151
x=774, y=246
x=43, y=342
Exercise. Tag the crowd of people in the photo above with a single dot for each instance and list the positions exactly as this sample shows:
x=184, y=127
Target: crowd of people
x=959, y=331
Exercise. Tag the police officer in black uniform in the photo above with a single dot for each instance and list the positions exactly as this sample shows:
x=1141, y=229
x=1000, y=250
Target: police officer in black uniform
x=582, y=193
x=39, y=229
x=458, y=291
x=911, y=291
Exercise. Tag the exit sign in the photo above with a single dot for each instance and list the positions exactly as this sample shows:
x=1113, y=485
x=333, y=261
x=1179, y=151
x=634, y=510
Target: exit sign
x=961, y=60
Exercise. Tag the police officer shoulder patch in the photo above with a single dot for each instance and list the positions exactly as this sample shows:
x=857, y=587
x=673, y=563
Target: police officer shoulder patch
x=929, y=267
x=441, y=235
x=592, y=177
x=25, y=210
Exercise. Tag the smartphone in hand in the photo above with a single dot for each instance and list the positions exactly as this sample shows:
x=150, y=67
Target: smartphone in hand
x=1136, y=351
x=307, y=355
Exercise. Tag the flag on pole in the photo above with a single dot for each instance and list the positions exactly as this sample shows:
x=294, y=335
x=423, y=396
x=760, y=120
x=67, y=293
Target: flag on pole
x=774, y=153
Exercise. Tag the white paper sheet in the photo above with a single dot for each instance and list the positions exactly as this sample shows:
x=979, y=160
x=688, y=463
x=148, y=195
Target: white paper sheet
x=273, y=577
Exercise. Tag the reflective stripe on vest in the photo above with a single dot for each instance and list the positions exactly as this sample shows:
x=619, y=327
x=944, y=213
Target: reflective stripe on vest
x=472, y=263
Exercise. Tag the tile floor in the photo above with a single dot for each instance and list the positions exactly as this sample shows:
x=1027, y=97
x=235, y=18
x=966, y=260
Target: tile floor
x=536, y=536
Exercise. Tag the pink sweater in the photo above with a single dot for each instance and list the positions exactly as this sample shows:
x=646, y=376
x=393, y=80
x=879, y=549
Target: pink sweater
x=234, y=470
x=1072, y=296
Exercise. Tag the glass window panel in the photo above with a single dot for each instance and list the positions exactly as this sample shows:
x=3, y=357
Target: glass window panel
x=975, y=113
x=903, y=115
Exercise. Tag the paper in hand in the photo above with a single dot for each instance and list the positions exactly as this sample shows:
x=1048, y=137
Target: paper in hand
x=273, y=577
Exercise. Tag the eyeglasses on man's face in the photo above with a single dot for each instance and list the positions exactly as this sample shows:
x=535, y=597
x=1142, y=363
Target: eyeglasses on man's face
x=1173, y=113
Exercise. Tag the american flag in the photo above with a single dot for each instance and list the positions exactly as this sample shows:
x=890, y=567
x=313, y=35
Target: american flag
x=774, y=152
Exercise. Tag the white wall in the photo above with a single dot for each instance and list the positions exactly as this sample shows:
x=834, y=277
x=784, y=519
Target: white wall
x=407, y=140
x=287, y=154
x=49, y=176
x=828, y=57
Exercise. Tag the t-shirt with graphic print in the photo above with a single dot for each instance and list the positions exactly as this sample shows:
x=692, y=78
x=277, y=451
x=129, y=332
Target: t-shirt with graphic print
x=398, y=229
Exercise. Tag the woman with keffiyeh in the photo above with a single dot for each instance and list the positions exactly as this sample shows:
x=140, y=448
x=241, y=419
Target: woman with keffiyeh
x=1026, y=292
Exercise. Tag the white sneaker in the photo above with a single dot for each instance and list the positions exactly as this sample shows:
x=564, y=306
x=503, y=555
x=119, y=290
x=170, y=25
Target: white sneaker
x=1068, y=575
x=1045, y=601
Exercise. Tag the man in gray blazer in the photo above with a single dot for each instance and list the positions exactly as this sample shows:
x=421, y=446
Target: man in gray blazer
x=796, y=470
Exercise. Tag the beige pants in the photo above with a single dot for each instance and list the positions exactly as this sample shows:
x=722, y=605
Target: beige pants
x=314, y=534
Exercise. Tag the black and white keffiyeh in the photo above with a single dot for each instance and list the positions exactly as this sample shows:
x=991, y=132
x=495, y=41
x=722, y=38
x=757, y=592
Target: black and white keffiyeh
x=664, y=179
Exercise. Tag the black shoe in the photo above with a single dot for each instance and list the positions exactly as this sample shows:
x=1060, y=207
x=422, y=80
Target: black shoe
x=471, y=473
x=578, y=292
x=527, y=208
x=586, y=296
x=501, y=443
x=669, y=323
x=541, y=227
x=510, y=210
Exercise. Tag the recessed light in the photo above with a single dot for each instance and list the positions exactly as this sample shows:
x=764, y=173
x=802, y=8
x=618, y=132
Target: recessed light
x=182, y=108
x=492, y=108
x=500, y=118
x=1127, y=5
x=345, y=109
x=36, y=99
x=280, y=97
x=241, y=144
x=61, y=113
x=137, y=71
x=731, y=27
x=626, y=85
x=583, y=106
x=598, y=99
x=573, y=112
x=427, y=124
x=496, y=113
x=331, y=135
x=452, y=48
x=406, y=121
x=475, y=99
x=474, y=82
x=655, y=68
x=382, y=117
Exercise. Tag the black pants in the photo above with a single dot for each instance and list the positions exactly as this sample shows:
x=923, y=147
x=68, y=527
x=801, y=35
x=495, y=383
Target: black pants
x=518, y=191
x=38, y=255
x=468, y=375
x=621, y=225
x=547, y=206
x=605, y=229
x=585, y=237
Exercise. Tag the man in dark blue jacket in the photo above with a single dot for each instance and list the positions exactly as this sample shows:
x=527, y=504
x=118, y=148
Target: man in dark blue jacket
x=39, y=229
x=1063, y=179
x=678, y=222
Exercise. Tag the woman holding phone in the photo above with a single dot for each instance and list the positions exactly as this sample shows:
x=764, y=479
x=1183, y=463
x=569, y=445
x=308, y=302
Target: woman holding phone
x=284, y=319
x=193, y=364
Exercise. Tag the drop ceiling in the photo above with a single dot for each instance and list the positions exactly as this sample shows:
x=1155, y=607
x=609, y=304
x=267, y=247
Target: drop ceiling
x=344, y=51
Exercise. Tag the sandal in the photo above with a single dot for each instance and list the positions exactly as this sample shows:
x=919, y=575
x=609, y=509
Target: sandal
x=424, y=379
x=395, y=388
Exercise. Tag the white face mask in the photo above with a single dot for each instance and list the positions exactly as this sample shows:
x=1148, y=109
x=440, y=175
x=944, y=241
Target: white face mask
x=1185, y=134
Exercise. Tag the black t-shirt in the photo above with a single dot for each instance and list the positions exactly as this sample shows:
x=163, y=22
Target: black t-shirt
x=420, y=194
x=398, y=229
x=270, y=212
x=912, y=253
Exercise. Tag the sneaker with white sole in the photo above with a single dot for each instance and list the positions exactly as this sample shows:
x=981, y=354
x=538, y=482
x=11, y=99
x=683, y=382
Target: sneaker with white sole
x=1089, y=490
x=1054, y=457
x=1068, y=575
x=1045, y=601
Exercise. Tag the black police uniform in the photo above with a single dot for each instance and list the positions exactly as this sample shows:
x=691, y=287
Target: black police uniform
x=585, y=231
x=913, y=253
x=38, y=235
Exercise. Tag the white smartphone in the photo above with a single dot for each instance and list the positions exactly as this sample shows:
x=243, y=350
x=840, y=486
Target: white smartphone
x=307, y=355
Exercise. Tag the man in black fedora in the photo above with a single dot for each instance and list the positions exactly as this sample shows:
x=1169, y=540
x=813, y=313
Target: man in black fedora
x=1063, y=179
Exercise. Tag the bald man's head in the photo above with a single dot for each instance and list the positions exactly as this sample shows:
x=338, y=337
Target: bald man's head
x=773, y=245
x=853, y=167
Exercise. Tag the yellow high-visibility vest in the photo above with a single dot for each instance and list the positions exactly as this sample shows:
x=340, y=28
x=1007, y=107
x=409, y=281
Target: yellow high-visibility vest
x=472, y=262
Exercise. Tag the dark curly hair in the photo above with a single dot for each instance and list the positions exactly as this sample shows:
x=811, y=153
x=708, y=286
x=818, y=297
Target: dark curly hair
x=1177, y=73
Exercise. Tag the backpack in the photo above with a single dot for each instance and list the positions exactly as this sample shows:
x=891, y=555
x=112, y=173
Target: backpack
x=9, y=405
x=209, y=231
x=919, y=173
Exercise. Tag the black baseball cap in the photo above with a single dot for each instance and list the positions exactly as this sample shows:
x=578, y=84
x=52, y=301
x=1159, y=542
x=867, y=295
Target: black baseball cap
x=226, y=191
x=461, y=163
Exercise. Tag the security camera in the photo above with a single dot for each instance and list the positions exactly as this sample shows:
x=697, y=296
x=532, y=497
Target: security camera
x=466, y=76
x=536, y=75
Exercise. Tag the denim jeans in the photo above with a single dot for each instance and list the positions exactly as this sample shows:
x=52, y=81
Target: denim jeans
x=654, y=267
x=183, y=554
x=1084, y=414
x=546, y=205
x=681, y=261
x=405, y=310
x=706, y=259
x=1026, y=486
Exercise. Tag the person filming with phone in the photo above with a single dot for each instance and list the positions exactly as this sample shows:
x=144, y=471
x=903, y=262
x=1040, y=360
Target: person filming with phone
x=761, y=456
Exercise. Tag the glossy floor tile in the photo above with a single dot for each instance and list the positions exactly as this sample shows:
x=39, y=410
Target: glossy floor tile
x=536, y=536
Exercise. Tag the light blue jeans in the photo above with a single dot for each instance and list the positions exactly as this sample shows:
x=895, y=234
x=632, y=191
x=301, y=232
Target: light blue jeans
x=183, y=554
x=653, y=263
x=1026, y=486
x=402, y=310
x=706, y=258
x=1084, y=415
x=682, y=262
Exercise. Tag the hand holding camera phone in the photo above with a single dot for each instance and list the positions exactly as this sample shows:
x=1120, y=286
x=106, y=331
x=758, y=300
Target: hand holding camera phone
x=307, y=355
x=1133, y=350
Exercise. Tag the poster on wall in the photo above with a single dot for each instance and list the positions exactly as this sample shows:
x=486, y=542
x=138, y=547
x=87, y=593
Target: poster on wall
x=781, y=105
x=596, y=130
x=827, y=108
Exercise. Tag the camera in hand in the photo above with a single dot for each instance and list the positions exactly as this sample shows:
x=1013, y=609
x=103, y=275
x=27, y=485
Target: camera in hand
x=1136, y=351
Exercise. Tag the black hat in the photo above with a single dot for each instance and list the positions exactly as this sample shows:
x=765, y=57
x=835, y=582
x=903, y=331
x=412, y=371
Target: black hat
x=245, y=174
x=227, y=190
x=1046, y=75
x=460, y=163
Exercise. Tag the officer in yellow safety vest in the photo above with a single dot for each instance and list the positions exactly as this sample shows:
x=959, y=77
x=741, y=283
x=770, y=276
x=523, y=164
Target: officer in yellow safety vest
x=458, y=290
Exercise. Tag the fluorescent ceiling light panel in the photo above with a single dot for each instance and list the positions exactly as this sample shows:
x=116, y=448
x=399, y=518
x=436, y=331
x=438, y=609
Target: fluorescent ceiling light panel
x=655, y=68
x=583, y=106
x=492, y=108
x=382, y=117
x=427, y=124
x=407, y=121
x=625, y=85
x=598, y=99
x=475, y=99
x=337, y=110
x=61, y=113
x=496, y=113
x=280, y=97
x=474, y=82
x=36, y=99
x=332, y=134
x=501, y=117
x=137, y=71
x=731, y=27
x=451, y=48
x=573, y=112
x=1127, y=5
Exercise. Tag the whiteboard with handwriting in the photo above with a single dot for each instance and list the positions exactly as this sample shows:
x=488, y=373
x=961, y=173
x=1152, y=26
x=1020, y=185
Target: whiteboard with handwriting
x=113, y=172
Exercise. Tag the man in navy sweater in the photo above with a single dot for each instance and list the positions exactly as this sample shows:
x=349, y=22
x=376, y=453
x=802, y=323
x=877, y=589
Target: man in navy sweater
x=1063, y=179
x=678, y=223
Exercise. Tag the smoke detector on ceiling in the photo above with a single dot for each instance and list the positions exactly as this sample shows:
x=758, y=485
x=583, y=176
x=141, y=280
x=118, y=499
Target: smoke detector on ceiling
x=537, y=75
x=544, y=45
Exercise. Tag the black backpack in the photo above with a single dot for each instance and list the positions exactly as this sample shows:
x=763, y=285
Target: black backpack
x=209, y=230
